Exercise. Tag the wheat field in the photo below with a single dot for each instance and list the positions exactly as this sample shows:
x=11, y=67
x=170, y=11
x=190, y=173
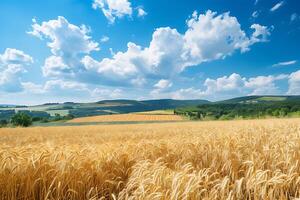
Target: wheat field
x=253, y=159
x=133, y=117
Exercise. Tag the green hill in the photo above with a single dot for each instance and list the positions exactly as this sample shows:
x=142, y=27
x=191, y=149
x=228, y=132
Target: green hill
x=245, y=108
x=261, y=99
x=241, y=107
x=104, y=107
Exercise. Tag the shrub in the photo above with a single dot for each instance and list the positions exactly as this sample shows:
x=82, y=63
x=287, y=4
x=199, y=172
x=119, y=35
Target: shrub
x=21, y=119
x=3, y=123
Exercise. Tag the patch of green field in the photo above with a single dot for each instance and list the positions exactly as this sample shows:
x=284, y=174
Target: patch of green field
x=271, y=99
x=60, y=112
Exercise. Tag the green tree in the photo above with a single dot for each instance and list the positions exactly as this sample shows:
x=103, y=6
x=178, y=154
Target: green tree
x=3, y=123
x=21, y=119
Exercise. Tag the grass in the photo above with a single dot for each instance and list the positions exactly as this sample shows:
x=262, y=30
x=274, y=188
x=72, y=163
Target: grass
x=138, y=117
x=253, y=159
x=271, y=98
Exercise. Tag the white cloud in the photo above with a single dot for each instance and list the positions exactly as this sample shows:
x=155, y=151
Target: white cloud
x=209, y=37
x=113, y=9
x=255, y=14
x=188, y=93
x=286, y=63
x=33, y=88
x=224, y=84
x=141, y=12
x=114, y=69
x=55, y=66
x=277, y=6
x=14, y=56
x=294, y=83
x=104, y=39
x=163, y=84
x=231, y=86
x=138, y=82
x=65, y=39
x=68, y=43
x=263, y=85
x=294, y=17
x=260, y=34
x=12, y=66
x=237, y=85
x=56, y=86
x=104, y=93
x=64, y=85
x=54, y=91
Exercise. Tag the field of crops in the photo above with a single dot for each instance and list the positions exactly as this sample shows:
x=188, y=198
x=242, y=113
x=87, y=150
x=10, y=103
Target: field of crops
x=134, y=117
x=254, y=159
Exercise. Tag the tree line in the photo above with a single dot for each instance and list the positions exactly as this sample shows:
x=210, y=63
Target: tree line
x=24, y=119
x=226, y=111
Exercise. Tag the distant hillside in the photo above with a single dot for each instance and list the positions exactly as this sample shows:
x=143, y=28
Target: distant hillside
x=245, y=108
x=261, y=99
x=104, y=107
x=241, y=107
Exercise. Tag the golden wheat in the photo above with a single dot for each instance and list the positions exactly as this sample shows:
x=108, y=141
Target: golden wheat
x=255, y=159
x=136, y=117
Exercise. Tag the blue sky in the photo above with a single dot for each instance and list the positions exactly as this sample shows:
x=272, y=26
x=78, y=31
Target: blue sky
x=88, y=50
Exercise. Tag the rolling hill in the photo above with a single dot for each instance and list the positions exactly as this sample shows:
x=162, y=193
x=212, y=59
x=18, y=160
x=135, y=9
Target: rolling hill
x=241, y=106
x=105, y=107
x=261, y=99
x=249, y=107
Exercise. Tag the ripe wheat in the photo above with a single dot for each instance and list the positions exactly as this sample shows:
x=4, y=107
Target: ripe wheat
x=183, y=160
x=129, y=117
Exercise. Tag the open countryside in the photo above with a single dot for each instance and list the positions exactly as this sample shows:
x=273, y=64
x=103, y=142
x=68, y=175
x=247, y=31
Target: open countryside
x=252, y=159
x=150, y=100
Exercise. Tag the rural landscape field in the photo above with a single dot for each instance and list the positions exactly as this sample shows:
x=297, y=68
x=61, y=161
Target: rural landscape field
x=149, y=100
x=250, y=159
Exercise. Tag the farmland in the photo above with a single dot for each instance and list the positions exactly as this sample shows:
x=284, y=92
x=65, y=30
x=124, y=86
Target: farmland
x=250, y=159
x=134, y=117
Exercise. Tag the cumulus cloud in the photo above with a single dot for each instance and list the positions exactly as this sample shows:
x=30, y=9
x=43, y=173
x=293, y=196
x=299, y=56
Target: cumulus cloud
x=113, y=9
x=56, y=85
x=163, y=84
x=277, y=6
x=232, y=86
x=294, y=83
x=209, y=37
x=71, y=90
x=141, y=12
x=161, y=87
x=105, y=93
x=242, y=86
x=65, y=39
x=64, y=85
x=263, y=85
x=104, y=39
x=12, y=66
x=234, y=82
x=67, y=42
x=260, y=33
x=33, y=88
